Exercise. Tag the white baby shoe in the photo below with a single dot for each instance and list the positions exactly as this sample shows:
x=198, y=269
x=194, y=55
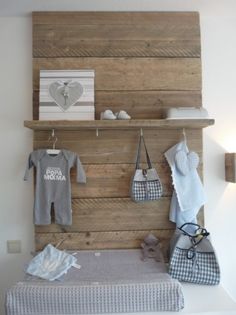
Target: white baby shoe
x=108, y=114
x=122, y=115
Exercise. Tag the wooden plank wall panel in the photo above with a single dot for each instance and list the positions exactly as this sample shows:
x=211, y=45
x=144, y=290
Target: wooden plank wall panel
x=144, y=63
x=114, y=214
x=188, y=21
x=110, y=166
x=119, y=146
x=116, y=34
x=139, y=104
x=145, y=104
x=101, y=240
x=131, y=74
x=113, y=180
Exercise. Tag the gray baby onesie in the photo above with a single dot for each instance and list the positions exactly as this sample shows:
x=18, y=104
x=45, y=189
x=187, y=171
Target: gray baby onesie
x=53, y=184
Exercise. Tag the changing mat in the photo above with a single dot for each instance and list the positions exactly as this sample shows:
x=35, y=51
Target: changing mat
x=109, y=281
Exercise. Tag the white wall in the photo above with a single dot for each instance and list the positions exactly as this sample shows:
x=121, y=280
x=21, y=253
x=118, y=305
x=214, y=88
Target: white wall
x=218, y=25
x=15, y=143
x=219, y=79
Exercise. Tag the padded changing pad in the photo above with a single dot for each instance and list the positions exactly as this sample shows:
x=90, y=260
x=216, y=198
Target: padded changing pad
x=109, y=281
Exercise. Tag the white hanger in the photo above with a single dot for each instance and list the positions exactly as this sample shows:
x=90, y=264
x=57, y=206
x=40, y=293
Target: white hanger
x=53, y=151
x=184, y=134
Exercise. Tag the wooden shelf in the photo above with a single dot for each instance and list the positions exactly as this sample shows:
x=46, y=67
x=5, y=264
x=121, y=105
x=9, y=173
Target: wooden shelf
x=118, y=124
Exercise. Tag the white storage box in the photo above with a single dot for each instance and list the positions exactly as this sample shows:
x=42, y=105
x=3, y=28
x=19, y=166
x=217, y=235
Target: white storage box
x=186, y=113
x=66, y=94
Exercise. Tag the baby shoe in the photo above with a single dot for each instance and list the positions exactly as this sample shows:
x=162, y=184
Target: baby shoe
x=122, y=115
x=108, y=114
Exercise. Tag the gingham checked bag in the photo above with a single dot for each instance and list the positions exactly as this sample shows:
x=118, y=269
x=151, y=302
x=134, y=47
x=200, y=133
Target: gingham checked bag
x=146, y=184
x=192, y=257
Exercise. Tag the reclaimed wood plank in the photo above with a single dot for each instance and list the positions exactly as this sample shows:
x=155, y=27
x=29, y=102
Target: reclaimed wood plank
x=125, y=74
x=119, y=146
x=114, y=180
x=139, y=104
x=73, y=34
x=145, y=104
x=109, y=33
x=118, y=124
x=114, y=214
x=164, y=19
x=101, y=240
x=74, y=47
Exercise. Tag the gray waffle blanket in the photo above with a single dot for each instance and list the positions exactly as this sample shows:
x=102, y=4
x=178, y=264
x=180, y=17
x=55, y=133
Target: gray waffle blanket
x=110, y=281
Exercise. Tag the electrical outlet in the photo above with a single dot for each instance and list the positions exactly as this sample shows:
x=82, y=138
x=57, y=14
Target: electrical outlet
x=14, y=246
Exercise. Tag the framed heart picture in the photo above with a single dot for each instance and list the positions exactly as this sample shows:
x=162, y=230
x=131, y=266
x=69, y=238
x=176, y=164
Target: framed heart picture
x=66, y=94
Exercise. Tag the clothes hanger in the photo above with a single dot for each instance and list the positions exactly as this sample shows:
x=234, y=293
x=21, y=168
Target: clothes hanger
x=184, y=135
x=53, y=151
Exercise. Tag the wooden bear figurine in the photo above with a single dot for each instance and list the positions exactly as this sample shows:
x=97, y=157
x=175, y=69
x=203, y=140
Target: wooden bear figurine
x=151, y=248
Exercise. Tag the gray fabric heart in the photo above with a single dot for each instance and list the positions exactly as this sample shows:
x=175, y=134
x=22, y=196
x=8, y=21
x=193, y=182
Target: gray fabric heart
x=65, y=94
x=185, y=162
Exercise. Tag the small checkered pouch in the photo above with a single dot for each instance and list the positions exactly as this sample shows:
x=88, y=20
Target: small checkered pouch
x=192, y=256
x=146, y=184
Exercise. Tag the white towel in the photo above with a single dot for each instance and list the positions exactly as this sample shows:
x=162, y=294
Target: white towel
x=180, y=217
x=51, y=263
x=189, y=195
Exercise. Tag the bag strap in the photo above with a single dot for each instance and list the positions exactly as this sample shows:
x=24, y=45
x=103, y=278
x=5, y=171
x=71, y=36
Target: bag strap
x=141, y=138
x=189, y=224
x=200, y=234
x=199, y=230
x=191, y=252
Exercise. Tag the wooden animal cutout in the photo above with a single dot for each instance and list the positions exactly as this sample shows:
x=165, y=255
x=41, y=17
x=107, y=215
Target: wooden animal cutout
x=151, y=248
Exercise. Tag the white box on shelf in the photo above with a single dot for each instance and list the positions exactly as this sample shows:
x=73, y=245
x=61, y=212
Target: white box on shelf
x=186, y=113
x=66, y=94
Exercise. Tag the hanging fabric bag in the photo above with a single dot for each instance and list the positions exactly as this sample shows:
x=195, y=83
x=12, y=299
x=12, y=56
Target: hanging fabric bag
x=146, y=184
x=192, y=256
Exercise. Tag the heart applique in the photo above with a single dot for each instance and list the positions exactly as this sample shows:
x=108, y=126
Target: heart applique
x=185, y=162
x=65, y=94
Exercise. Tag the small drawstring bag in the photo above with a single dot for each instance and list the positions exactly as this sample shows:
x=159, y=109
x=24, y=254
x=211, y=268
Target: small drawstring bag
x=146, y=184
x=192, y=256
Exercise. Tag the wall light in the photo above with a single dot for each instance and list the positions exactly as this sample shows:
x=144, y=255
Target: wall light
x=230, y=167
